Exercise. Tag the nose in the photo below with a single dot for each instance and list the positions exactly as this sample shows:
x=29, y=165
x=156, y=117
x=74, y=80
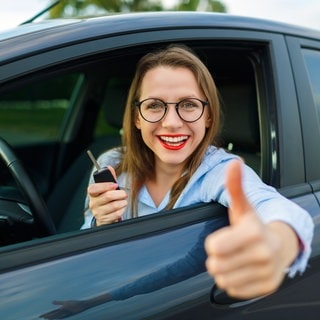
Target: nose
x=171, y=118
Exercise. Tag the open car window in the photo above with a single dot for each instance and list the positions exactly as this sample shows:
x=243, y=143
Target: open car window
x=80, y=105
x=35, y=112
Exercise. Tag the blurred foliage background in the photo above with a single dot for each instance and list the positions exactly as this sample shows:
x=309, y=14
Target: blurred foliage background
x=36, y=112
x=87, y=8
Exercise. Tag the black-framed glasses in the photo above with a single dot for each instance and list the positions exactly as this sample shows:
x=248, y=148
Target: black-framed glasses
x=154, y=110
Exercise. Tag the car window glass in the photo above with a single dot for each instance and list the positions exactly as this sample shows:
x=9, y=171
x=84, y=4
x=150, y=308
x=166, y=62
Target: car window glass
x=312, y=60
x=35, y=112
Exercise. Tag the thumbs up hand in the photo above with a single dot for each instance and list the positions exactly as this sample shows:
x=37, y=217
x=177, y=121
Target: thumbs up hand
x=248, y=258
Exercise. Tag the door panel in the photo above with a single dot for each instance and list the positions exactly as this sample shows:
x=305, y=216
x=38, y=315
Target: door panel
x=146, y=275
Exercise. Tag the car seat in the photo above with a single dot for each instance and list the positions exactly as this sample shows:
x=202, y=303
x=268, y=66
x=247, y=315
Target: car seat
x=240, y=133
x=71, y=188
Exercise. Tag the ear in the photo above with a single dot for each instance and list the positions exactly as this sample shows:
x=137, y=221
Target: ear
x=208, y=122
x=137, y=122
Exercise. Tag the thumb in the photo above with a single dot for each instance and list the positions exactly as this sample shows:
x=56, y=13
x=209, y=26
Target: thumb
x=113, y=172
x=239, y=204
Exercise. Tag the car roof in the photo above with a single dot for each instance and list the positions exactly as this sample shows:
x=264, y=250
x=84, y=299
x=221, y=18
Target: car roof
x=60, y=32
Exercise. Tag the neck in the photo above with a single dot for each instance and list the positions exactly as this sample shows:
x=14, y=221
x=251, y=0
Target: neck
x=162, y=182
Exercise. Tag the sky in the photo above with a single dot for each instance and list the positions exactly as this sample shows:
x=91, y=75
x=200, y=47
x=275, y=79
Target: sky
x=301, y=12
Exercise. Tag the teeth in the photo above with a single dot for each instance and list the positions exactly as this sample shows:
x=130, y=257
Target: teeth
x=174, y=139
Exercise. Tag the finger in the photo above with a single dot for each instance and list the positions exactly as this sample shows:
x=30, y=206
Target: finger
x=236, y=239
x=107, y=197
x=111, y=217
x=245, y=286
x=109, y=206
x=247, y=255
x=96, y=189
x=239, y=204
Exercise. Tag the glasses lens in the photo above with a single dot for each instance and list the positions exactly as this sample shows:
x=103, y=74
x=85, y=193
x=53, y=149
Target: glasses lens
x=190, y=110
x=152, y=110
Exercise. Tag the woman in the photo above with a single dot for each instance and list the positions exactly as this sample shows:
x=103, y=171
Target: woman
x=169, y=160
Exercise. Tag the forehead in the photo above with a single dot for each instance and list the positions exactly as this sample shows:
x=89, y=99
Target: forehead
x=166, y=77
x=166, y=69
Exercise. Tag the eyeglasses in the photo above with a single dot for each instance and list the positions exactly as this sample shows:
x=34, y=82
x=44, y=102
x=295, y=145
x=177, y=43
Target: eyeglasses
x=154, y=110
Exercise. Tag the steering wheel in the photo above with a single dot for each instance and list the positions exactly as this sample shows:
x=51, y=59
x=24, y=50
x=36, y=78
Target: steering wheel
x=34, y=198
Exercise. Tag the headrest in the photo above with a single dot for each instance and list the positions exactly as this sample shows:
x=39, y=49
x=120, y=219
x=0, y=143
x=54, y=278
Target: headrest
x=240, y=116
x=114, y=101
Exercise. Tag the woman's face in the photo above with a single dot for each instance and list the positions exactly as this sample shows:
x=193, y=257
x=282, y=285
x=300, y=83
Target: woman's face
x=171, y=139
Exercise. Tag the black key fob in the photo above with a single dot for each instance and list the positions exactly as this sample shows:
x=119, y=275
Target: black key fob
x=101, y=174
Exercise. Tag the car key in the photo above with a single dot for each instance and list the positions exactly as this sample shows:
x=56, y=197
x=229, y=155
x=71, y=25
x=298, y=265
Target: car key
x=101, y=174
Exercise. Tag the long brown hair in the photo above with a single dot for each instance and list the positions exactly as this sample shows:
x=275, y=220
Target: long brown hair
x=138, y=159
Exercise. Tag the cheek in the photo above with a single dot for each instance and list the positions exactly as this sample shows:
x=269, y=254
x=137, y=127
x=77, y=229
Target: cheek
x=146, y=129
x=199, y=132
x=202, y=129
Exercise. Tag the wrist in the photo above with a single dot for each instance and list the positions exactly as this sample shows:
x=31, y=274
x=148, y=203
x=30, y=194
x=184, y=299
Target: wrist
x=289, y=243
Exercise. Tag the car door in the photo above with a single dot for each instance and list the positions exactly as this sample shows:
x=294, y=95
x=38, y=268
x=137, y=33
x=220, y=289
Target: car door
x=146, y=266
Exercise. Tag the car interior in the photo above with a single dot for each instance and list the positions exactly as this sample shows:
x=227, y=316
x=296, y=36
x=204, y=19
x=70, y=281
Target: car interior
x=99, y=98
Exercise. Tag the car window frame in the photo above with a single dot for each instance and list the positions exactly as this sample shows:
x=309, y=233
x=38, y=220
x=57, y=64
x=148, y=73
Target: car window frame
x=273, y=42
x=307, y=109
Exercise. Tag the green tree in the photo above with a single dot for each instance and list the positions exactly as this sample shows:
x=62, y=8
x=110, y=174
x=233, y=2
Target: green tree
x=76, y=8
x=73, y=8
x=201, y=5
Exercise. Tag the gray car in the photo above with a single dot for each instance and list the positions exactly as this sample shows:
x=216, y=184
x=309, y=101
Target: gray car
x=63, y=85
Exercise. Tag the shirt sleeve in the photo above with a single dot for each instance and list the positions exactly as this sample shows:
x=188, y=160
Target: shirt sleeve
x=282, y=209
x=271, y=206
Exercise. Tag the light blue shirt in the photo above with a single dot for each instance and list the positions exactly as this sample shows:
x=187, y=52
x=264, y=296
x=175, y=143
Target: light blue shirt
x=207, y=185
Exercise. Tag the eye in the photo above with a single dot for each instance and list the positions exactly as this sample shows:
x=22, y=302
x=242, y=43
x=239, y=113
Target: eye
x=153, y=105
x=189, y=104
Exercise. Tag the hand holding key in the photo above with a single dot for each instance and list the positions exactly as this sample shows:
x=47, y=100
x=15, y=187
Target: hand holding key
x=106, y=201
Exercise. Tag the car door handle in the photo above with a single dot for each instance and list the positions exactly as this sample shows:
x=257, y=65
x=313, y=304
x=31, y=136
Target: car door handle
x=220, y=298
